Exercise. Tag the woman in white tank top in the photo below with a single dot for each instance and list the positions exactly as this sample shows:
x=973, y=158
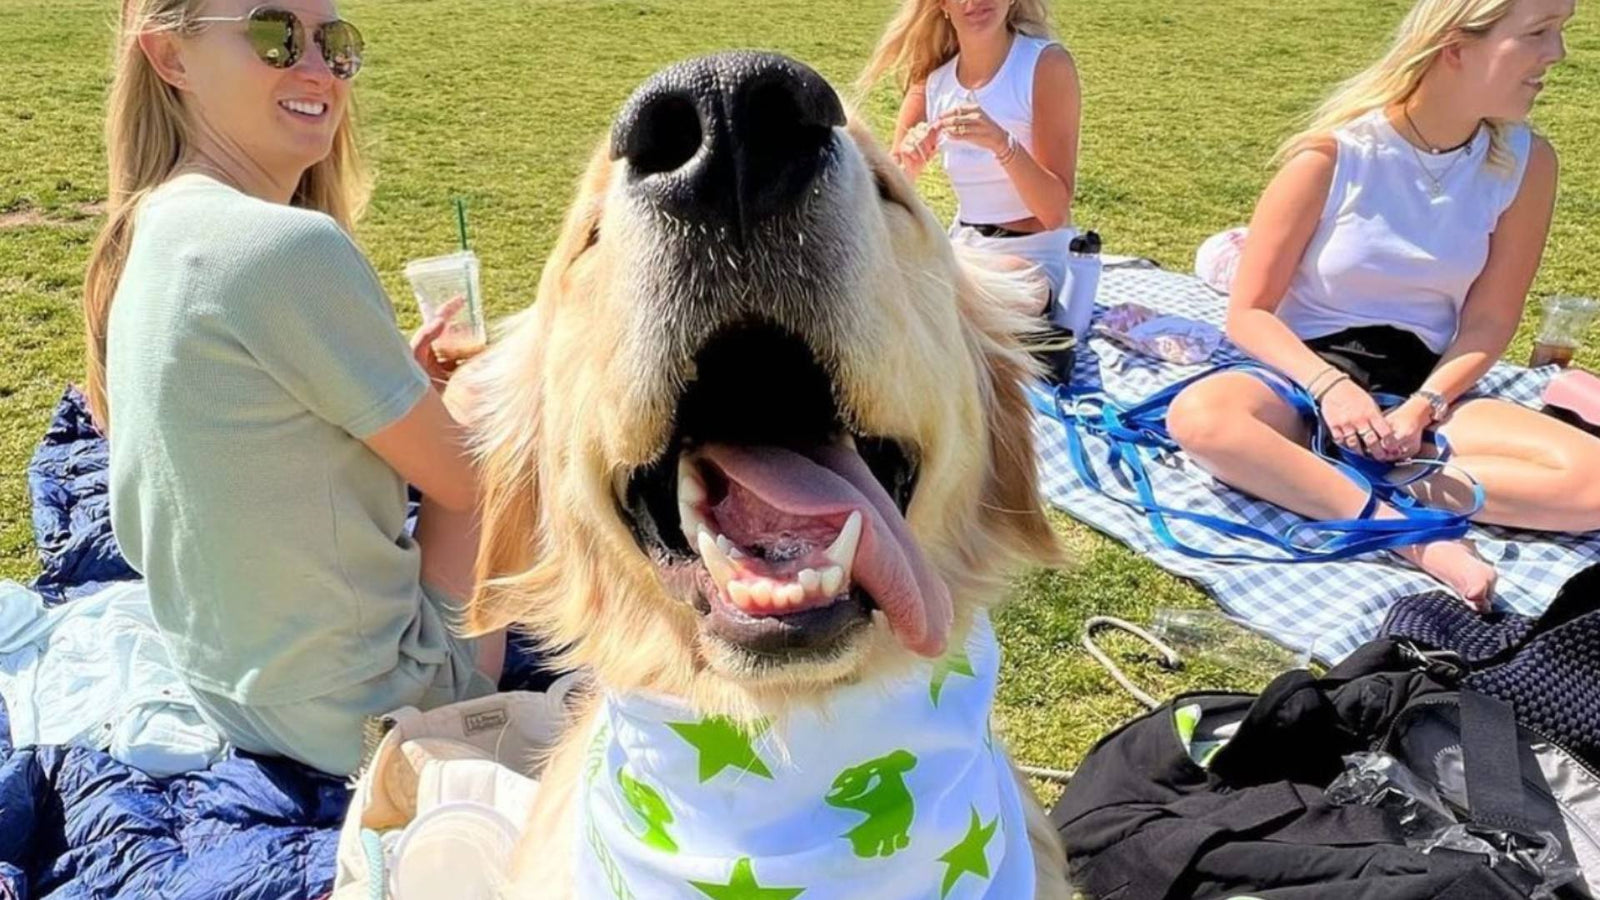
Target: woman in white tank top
x=1392, y=253
x=986, y=85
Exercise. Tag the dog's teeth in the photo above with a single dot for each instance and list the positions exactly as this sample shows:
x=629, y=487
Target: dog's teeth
x=692, y=523
x=789, y=595
x=760, y=593
x=739, y=593
x=691, y=494
x=717, y=563
x=729, y=547
x=847, y=441
x=832, y=580
x=809, y=580
x=690, y=488
x=843, y=551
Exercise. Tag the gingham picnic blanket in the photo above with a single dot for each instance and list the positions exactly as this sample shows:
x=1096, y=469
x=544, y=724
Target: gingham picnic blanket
x=1328, y=608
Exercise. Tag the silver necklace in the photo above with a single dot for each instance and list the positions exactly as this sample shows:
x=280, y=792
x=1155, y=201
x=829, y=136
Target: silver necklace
x=1436, y=189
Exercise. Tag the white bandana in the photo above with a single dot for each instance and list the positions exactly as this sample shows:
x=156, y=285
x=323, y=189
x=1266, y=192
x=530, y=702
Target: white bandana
x=895, y=792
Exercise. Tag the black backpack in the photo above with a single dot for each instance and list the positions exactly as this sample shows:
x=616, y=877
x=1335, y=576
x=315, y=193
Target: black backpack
x=1142, y=820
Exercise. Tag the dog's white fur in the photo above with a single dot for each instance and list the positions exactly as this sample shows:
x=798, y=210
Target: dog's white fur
x=573, y=400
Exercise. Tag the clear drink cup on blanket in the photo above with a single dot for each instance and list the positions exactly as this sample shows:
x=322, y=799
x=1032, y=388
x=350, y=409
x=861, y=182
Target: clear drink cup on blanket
x=1566, y=321
x=437, y=281
x=1209, y=636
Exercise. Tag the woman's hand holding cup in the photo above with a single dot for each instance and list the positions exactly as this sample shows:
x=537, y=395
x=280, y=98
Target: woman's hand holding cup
x=430, y=352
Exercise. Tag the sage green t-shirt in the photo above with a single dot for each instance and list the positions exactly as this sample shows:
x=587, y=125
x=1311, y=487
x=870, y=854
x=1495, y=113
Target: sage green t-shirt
x=250, y=350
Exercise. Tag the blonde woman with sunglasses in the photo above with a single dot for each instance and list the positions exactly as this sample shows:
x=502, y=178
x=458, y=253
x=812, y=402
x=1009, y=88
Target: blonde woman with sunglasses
x=985, y=85
x=1392, y=254
x=264, y=413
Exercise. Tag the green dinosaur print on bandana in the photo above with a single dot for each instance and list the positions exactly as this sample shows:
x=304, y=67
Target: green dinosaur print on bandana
x=646, y=803
x=878, y=788
x=742, y=885
x=724, y=744
x=957, y=663
x=969, y=855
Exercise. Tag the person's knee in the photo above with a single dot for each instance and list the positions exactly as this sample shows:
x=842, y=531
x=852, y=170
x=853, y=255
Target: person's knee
x=1200, y=423
x=1033, y=298
x=1582, y=494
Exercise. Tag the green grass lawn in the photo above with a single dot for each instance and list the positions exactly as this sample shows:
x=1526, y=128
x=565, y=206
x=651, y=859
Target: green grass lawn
x=501, y=100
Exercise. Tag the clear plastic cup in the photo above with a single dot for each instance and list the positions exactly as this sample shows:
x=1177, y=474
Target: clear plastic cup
x=1566, y=321
x=1206, y=633
x=459, y=850
x=438, y=280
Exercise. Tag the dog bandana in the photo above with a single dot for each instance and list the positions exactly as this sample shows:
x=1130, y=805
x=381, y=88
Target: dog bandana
x=893, y=792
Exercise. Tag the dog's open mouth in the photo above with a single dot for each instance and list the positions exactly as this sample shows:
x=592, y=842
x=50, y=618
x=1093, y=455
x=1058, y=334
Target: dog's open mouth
x=787, y=522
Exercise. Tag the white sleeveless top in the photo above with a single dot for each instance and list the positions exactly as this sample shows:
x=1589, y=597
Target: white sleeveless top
x=983, y=189
x=1389, y=252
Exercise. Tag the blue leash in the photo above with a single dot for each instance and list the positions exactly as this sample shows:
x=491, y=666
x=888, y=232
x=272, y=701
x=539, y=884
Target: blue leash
x=1133, y=432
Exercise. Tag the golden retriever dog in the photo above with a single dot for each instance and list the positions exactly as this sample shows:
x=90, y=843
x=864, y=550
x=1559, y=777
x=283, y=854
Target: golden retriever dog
x=757, y=461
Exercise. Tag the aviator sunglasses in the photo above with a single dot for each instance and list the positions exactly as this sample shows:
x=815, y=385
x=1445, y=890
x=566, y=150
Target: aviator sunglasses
x=279, y=39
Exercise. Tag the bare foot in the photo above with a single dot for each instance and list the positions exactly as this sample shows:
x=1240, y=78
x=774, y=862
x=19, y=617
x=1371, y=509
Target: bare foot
x=1458, y=565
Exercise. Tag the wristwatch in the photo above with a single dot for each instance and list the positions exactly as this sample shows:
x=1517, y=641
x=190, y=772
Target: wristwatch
x=1437, y=405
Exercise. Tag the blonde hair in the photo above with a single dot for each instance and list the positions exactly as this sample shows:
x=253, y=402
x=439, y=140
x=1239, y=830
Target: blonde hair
x=920, y=39
x=1430, y=28
x=147, y=134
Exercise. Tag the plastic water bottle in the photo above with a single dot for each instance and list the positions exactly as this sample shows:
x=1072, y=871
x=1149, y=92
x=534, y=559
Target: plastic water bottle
x=1074, y=307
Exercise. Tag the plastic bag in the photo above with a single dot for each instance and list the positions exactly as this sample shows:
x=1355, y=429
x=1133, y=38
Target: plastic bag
x=1379, y=780
x=1174, y=339
x=1428, y=824
x=1539, y=854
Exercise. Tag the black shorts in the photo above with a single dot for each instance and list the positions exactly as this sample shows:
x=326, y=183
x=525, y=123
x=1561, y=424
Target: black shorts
x=1381, y=359
x=995, y=231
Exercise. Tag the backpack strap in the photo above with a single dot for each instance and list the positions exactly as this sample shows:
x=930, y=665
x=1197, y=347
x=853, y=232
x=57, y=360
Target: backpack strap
x=1489, y=744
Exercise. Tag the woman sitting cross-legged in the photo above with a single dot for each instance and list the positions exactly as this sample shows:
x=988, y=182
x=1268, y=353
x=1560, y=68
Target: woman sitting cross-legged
x=985, y=82
x=1392, y=253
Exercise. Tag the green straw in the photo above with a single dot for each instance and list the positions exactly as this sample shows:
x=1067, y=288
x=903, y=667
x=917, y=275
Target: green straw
x=461, y=221
x=461, y=228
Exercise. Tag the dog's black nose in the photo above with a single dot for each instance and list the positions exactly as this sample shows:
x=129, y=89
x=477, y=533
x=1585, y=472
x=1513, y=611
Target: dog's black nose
x=728, y=140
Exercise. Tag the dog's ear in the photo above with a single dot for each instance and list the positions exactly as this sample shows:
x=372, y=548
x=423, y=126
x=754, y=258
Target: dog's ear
x=1011, y=493
x=1013, y=511
x=507, y=441
x=513, y=567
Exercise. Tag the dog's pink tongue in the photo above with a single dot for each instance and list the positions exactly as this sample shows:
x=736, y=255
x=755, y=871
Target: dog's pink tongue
x=834, y=482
